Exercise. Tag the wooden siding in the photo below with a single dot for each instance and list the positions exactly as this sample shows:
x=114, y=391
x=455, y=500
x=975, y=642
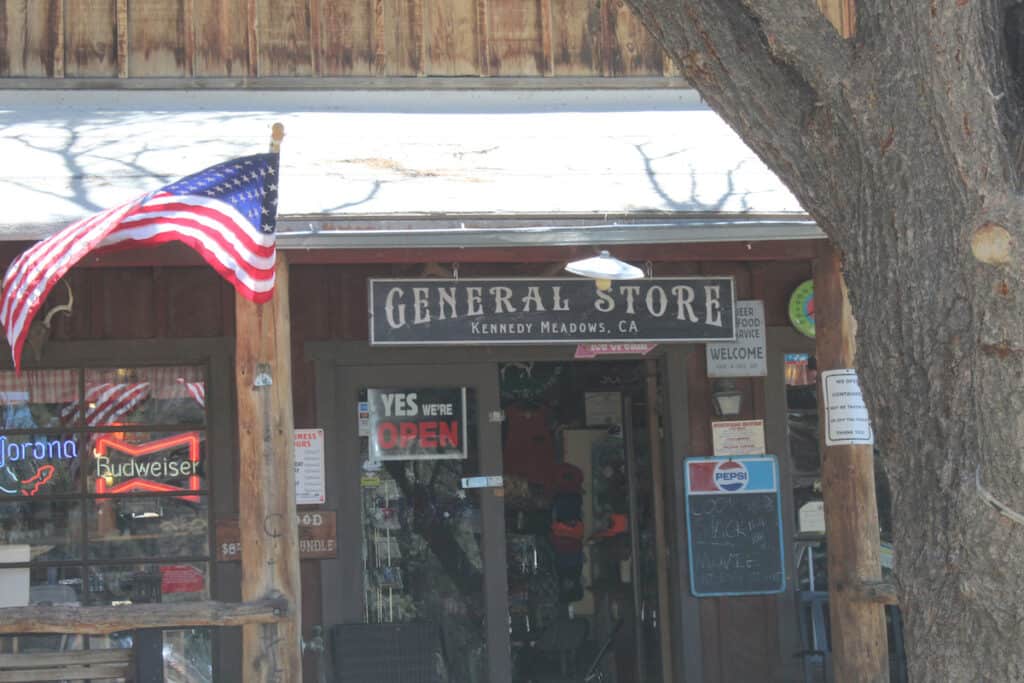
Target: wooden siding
x=324, y=38
x=328, y=302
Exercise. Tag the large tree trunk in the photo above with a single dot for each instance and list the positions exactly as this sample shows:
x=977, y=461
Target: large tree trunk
x=903, y=144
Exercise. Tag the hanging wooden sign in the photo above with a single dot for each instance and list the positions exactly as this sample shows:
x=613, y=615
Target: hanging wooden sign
x=551, y=311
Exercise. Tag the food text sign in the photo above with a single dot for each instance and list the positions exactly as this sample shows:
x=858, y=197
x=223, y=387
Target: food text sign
x=317, y=536
x=748, y=355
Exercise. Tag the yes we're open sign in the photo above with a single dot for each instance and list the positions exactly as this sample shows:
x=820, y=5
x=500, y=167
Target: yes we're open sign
x=418, y=424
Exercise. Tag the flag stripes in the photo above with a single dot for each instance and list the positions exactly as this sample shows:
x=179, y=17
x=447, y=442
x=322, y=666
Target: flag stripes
x=226, y=213
x=107, y=402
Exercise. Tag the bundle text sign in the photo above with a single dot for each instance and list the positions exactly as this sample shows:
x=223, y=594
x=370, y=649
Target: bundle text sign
x=418, y=424
x=734, y=526
x=550, y=311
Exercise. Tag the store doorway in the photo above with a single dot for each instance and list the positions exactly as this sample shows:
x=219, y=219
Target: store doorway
x=546, y=575
x=580, y=537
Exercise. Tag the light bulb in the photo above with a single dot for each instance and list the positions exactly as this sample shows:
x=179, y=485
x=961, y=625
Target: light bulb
x=603, y=284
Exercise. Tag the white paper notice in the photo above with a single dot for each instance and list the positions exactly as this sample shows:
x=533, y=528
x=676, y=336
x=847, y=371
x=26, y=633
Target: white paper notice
x=846, y=417
x=603, y=408
x=309, y=467
x=748, y=355
x=811, y=518
x=364, y=418
x=742, y=437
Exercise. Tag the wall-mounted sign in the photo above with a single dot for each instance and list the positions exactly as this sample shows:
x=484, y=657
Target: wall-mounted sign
x=418, y=424
x=801, y=308
x=309, y=467
x=734, y=526
x=748, y=355
x=318, y=538
x=167, y=464
x=550, y=311
x=810, y=517
x=363, y=415
x=181, y=578
x=588, y=351
x=27, y=464
x=483, y=482
x=846, y=416
x=738, y=437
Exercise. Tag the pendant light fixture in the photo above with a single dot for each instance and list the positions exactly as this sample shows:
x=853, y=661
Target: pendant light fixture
x=604, y=268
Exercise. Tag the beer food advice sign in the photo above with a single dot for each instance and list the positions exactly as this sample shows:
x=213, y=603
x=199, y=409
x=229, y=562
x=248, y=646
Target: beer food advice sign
x=418, y=424
x=550, y=311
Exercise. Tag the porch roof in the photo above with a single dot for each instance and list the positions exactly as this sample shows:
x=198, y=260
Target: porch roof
x=634, y=165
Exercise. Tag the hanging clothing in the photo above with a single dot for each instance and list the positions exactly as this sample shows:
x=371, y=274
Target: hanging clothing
x=529, y=450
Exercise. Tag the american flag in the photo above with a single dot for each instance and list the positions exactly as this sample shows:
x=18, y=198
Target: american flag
x=226, y=212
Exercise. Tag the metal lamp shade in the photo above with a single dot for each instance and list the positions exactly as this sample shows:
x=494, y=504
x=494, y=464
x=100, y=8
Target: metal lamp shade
x=604, y=266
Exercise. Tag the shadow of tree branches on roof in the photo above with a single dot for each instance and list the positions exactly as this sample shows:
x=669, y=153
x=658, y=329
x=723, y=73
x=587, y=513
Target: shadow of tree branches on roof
x=692, y=202
x=93, y=157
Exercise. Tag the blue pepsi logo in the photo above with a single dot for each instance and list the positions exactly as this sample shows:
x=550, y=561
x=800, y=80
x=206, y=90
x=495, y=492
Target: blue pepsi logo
x=731, y=475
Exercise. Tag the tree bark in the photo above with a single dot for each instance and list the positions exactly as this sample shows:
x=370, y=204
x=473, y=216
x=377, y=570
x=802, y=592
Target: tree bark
x=904, y=144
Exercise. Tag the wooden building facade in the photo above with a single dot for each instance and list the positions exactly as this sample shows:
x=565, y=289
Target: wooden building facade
x=182, y=315
x=392, y=208
x=323, y=39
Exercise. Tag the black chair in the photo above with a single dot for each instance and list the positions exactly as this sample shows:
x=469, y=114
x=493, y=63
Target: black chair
x=387, y=653
x=563, y=639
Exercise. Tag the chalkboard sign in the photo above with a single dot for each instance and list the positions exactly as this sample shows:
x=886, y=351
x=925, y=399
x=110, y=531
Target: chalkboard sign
x=734, y=526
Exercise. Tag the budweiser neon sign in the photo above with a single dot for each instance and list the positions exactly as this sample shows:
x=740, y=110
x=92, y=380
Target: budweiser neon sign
x=141, y=476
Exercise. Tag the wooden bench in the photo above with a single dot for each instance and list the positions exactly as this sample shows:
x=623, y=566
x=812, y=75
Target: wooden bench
x=70, y=665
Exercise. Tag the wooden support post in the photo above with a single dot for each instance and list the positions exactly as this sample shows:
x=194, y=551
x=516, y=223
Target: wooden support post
x=859, y=645
x=271, y=653
x=266, y=509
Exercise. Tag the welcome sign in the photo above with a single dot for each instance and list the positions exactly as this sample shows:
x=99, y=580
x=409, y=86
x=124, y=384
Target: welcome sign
x=553, y=310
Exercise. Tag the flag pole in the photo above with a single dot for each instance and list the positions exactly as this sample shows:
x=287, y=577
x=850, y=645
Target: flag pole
x=267, y=519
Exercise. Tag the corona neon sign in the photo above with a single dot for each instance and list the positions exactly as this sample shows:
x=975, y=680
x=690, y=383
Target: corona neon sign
x=139, y=477
x=33, y=451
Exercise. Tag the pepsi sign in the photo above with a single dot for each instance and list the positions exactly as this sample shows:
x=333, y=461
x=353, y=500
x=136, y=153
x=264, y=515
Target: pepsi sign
x=731, y=476
x=738, y=474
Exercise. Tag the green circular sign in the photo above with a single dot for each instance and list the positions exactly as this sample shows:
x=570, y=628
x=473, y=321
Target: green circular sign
x=801, y=308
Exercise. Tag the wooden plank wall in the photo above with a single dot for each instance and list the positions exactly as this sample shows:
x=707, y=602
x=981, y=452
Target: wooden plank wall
x=329, y=302
x=324, y=38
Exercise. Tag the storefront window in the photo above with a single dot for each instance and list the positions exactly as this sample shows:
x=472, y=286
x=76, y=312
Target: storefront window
x=104, y=499
x=159, y=526
x=38, y=398
x=50, y=530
